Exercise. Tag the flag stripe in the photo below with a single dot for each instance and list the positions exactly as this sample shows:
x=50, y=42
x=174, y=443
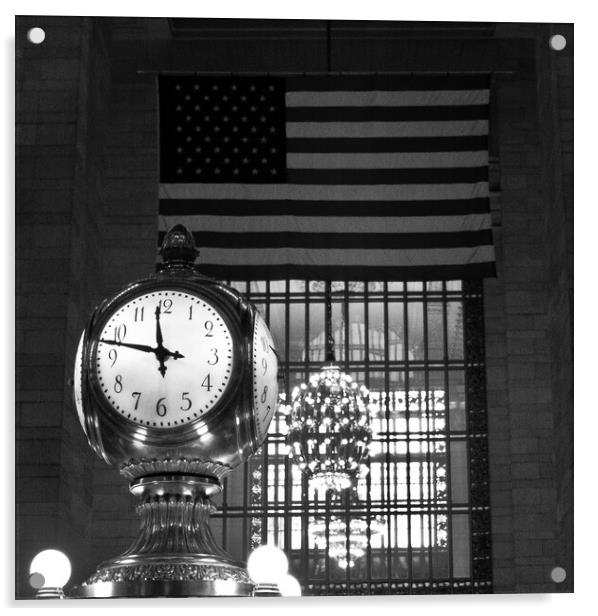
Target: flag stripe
x=345, y=256
x=459, y=175
x=380, y=192
x=378, y=98
x=315, y=209
x=385, y=144
x=396, y=83
x=366, y=130
x=302, y=270
x=330, y=224
x=341, y=241
x=385, y=160
x=387, y=114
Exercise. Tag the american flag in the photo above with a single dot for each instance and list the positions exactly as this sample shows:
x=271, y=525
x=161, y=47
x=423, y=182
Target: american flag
x=329, y=177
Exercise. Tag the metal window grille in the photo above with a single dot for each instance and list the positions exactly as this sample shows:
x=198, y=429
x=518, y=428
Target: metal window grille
x=419, y=348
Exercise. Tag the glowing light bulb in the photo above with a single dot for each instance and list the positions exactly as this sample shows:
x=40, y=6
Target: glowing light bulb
x=50, y=570
x=267, y=564
x=289, y=586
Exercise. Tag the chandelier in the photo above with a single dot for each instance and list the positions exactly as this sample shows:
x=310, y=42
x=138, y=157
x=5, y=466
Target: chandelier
x=329, y=432
x=328, y=422
x=346, y=546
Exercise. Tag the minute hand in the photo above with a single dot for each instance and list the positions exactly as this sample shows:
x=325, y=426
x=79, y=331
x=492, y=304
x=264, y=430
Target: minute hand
x=138, y=347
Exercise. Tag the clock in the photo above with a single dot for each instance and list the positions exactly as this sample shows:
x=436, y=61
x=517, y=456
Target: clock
x=164, y=358
x=176, y=366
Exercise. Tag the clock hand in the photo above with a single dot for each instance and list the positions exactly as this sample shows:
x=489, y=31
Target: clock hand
x=158, y=328
x=161, y=353
x=160, y=350
x=138, y=347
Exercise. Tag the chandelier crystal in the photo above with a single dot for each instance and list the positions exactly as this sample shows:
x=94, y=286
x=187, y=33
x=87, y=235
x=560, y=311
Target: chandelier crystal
x=329, y=430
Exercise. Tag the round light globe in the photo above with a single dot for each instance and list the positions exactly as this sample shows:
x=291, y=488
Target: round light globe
x=289, y=586
x=267, y=564
x=54, y=566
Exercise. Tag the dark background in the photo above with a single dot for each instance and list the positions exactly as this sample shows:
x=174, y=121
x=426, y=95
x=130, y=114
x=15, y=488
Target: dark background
x=86, y=223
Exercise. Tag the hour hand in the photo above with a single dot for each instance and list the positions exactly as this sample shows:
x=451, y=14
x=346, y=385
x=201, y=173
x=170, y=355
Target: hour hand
x=162, y=355
x=158, y=328
x=138, y=347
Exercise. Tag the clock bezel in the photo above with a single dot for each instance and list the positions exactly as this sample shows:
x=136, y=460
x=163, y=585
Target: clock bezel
x=121, y=426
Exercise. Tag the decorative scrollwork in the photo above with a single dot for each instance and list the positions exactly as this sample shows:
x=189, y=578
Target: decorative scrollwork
x=475, y=379
x=143, y=467
x=169, y=572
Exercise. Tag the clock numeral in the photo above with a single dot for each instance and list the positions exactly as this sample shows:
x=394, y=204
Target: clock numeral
x=209, y=327
x=139, y=313
x=265, y=345
x=118, y=383
x=161, y=407
x=120, y=332
x=136, y=394
x=207, y=383
x=264, y=394
x=187, y=400
x=190, y=312
x=264, y=365
x=113, y=355
x=165, y=306
x=214, y=352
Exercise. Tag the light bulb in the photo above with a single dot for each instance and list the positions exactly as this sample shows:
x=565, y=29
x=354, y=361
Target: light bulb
x=289, y=586
x=267, y=564
x=54, y=566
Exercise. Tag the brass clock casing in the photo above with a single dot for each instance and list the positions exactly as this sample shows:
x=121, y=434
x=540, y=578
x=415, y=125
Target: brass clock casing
x=222, y=438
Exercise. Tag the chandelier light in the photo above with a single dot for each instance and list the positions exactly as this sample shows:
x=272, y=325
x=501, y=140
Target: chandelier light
x=329, y=431
x=328, y=422
x=346, y=547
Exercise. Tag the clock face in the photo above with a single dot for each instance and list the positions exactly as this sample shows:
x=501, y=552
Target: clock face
x=164, y=359
x=265, y=377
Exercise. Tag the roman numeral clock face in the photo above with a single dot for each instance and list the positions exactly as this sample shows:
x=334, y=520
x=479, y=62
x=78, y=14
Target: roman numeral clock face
x=164, y=359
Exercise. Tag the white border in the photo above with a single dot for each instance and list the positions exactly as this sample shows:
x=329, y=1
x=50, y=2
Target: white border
x=585, y=230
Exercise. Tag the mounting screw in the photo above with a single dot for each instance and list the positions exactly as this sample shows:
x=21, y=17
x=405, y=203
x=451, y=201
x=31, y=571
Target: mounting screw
x=36, y=35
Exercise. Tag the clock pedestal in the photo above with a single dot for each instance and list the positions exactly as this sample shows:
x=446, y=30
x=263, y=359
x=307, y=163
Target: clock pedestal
x=174, y=553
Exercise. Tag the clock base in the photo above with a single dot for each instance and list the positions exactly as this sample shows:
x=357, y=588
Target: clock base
x=164, y=588
x=163, y=579
x=174, y=554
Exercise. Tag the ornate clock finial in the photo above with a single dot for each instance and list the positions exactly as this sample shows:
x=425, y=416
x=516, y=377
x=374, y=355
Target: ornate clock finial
x=178, y=247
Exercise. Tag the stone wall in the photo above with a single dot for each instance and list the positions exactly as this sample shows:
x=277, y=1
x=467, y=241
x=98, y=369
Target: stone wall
x=61, y=90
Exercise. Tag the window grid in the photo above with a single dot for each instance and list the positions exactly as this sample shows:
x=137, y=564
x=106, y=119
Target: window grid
x=427, y=458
